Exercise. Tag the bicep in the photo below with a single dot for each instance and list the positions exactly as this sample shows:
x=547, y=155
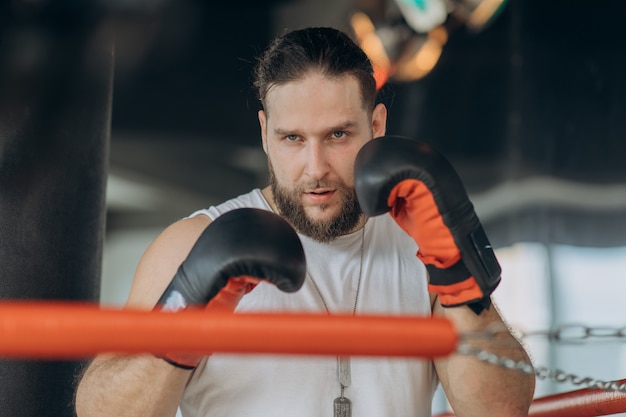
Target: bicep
x=161, y=260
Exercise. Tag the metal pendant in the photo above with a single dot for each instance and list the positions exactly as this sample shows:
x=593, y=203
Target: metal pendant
x=344, y=375
x=342, y=407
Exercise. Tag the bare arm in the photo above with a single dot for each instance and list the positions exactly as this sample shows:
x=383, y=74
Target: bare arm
x=142, y=385
x=477, y=389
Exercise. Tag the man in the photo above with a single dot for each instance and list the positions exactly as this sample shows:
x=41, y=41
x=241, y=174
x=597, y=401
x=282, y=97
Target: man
x=318, y=110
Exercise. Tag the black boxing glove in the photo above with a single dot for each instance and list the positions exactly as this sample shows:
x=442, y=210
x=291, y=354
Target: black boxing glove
x=425, y=196
x=235, y=252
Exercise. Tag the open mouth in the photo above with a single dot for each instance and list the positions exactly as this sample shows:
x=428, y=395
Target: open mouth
x=319, y=196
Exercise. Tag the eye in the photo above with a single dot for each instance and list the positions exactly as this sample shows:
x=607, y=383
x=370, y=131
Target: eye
x=291, y=138
x=340, y=134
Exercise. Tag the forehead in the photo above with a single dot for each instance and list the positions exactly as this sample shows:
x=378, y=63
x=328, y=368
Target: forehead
x=315, y=96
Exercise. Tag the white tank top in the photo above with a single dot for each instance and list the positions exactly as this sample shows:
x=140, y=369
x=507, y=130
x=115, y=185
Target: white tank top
x=393, y=281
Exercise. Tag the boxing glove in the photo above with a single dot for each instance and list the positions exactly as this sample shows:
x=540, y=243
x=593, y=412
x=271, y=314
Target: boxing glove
x=423, y=193
x=231, y=256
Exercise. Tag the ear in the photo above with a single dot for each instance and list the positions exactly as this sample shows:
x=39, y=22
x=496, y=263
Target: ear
x=263, y=122
x=379, y=120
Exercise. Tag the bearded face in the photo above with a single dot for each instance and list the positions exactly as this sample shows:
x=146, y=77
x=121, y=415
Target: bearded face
x=291, y=208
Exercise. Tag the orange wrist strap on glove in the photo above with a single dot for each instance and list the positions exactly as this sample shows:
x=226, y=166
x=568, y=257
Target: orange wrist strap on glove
x=424, y=195
x=233, y=254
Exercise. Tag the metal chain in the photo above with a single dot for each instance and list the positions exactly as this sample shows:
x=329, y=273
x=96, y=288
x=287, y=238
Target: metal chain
x=576, y=333
x=562, y=334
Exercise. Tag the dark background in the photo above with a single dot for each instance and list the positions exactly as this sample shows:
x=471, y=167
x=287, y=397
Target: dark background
x=539, y=94
x=529, y=109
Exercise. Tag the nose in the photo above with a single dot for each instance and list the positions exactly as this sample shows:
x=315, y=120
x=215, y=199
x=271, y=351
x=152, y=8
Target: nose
x=317, y=163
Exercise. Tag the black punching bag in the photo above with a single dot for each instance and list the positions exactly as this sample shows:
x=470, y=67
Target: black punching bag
x=56, y=65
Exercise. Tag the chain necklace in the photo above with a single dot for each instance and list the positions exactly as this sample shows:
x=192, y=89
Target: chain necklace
x=342, y=406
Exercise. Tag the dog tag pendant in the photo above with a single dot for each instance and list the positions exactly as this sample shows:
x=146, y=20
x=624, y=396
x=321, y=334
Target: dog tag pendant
x=342, y=407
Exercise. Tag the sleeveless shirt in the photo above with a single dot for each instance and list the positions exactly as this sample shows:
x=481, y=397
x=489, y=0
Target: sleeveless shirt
x=393, y=281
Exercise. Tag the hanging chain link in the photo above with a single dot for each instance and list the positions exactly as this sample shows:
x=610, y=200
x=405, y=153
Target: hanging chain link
x=567, y=334
x=578, y=334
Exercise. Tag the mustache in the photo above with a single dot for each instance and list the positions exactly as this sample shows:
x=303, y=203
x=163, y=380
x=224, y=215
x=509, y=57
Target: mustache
x=322, y=184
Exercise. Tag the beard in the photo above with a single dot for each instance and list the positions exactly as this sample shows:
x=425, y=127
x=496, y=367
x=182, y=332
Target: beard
x=291, y=208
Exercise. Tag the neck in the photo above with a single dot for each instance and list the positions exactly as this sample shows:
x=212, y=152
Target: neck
x=269, y=196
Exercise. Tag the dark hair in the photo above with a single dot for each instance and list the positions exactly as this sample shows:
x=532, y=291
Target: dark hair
x=331, y=52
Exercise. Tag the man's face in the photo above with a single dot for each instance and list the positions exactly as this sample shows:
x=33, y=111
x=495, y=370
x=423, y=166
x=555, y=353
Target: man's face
x=312, y=131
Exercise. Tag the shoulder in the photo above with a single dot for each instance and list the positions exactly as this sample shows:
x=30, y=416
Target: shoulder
x=162, y=259
x=164, y=255
x=252, y=199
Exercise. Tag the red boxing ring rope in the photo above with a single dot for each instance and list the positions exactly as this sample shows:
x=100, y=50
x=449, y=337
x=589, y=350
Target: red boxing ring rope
x=586, y=402
x=72, y=330
x=580, y=403
x=53, y=330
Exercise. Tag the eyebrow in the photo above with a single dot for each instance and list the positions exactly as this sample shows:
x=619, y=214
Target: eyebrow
x=283, y=132
x=342, y=126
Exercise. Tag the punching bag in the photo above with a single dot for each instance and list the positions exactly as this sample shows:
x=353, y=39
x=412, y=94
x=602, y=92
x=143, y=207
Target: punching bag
x=56, y=66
